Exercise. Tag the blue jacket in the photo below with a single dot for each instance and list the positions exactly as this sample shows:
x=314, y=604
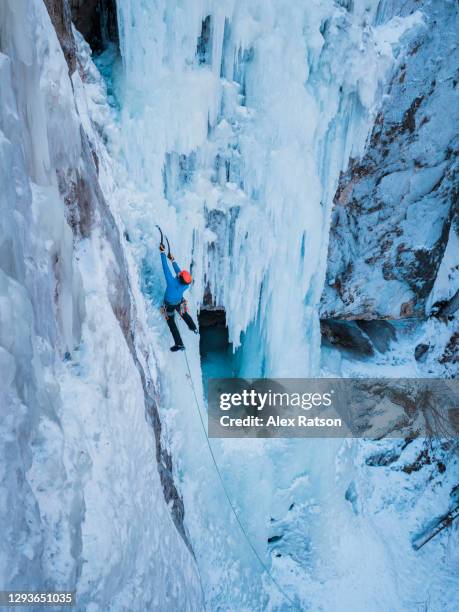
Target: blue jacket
x=175, y=288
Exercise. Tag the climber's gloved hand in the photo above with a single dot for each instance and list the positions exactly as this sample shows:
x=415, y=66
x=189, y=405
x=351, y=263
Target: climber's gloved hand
x=170, y=257
x=162, y=248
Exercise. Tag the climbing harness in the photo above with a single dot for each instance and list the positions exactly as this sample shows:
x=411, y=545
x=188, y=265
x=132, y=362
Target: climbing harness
x=183, y=309
x=163, y=311
x=241, y=526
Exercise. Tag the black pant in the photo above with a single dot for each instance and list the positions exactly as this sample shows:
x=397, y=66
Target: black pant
x=170, y=312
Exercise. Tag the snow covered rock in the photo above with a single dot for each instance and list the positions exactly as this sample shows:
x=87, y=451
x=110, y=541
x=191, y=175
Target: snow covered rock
x=394, y=206
x=346, y=334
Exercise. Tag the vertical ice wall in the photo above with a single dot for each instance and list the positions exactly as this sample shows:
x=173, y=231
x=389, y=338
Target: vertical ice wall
x=237, y=119
x=82, y=504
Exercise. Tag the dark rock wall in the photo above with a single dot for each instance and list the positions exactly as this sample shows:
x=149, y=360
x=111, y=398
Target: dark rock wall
x=61, y=17
x=96, y=20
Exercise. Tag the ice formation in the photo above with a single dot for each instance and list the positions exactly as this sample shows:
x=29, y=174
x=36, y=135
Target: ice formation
x=229, y=123
x=244, y=146
x=82, y=503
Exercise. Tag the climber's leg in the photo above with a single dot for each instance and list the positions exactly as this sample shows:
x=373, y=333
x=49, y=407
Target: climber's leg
x=173, y=327
x=186, y=316
x=189, y=321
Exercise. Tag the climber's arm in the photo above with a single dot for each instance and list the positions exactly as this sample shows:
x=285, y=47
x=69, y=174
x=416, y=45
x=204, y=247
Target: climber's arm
x=167, y=273
x=175, y=265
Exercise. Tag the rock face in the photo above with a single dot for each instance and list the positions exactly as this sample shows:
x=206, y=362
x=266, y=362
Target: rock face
x=61, y=17
x=83, y=12
x=420, y=351
x=360, y=337
x=96, y=21
x=346, y=335
x=394, y=206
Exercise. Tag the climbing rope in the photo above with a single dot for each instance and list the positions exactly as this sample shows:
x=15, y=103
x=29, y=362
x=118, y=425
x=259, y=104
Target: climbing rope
x=244, y=532
x=233, y=509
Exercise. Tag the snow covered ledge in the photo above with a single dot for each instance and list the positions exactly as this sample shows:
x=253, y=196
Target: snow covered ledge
x=84, y=506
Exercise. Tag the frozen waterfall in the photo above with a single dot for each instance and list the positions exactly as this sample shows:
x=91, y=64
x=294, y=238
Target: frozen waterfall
x=237, y=118
x=230, y=124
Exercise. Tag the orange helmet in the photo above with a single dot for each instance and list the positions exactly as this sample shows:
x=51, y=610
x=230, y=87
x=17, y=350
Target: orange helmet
x=185, y=277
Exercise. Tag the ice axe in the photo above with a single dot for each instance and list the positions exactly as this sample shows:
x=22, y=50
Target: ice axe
x=161, y=244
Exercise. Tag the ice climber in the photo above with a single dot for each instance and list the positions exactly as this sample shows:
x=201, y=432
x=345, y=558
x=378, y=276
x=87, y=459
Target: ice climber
x=173, y=298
